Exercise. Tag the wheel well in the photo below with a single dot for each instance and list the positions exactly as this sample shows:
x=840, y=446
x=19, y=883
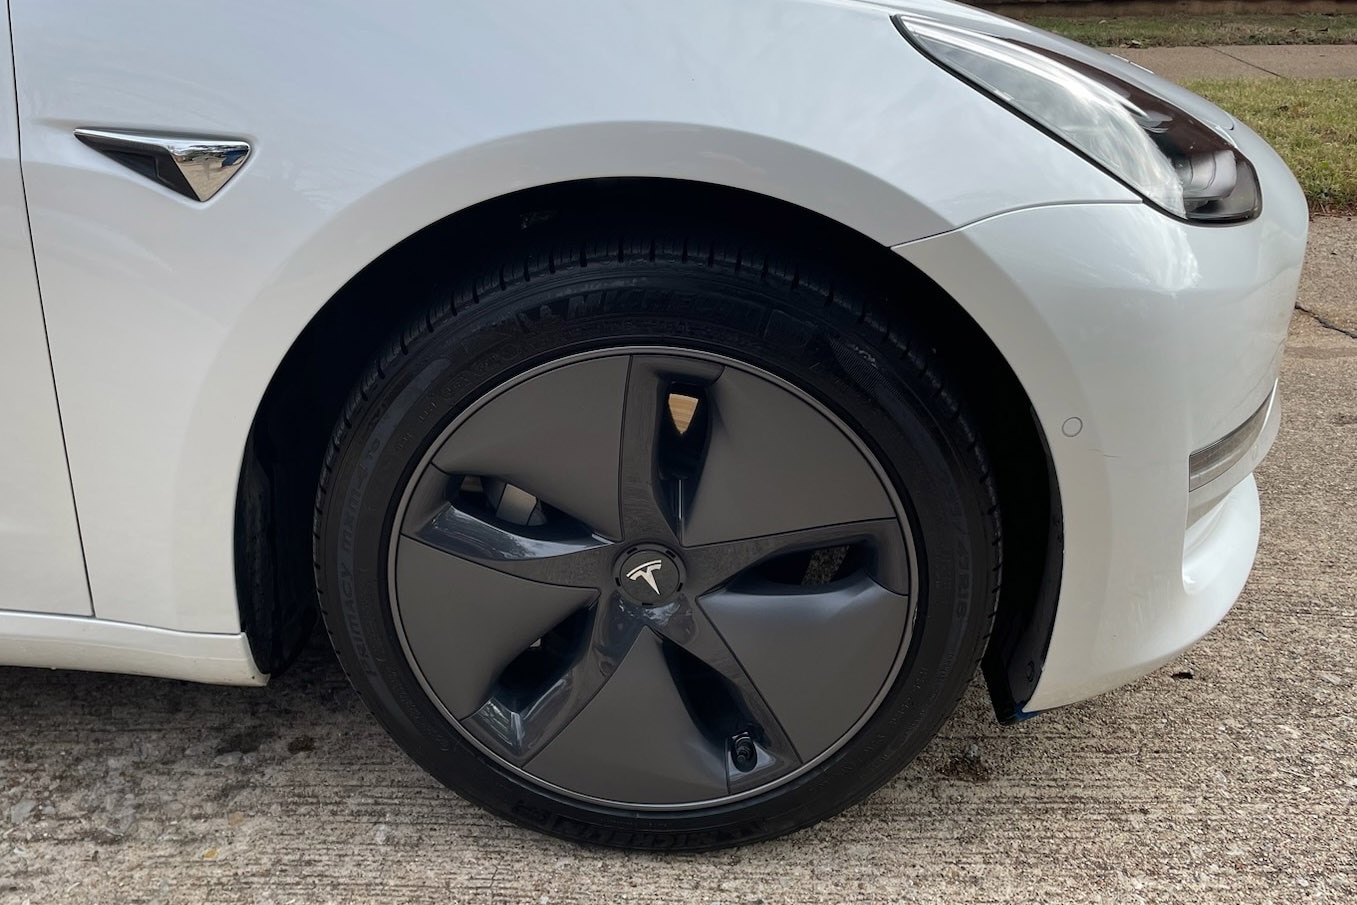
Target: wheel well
x=275, y=502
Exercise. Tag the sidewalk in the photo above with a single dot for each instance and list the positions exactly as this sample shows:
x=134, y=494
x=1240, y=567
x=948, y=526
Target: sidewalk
x=1296, y=61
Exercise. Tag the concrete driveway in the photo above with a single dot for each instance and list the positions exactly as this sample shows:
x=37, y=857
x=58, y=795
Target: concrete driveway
x=1230, y=776
x=1252, y=61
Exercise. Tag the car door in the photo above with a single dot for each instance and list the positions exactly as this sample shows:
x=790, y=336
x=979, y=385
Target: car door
x=41, y=565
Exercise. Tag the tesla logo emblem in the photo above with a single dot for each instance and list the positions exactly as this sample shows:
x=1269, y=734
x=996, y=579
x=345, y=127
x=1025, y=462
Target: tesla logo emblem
x=646, y=572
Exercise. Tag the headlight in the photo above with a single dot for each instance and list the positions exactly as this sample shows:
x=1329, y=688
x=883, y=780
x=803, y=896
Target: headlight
x=1176, y=162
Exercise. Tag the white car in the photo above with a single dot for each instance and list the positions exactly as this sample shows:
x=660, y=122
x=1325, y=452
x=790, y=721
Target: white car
x=668, y=406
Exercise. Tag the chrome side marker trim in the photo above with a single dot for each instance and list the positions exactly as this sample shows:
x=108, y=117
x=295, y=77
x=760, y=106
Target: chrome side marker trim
x=194, y=167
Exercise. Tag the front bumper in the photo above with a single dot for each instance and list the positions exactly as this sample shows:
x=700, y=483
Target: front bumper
x=1139, y=340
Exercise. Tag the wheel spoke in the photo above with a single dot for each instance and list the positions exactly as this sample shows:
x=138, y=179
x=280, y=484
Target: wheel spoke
x=714, y=564
x=574, y=559
x=770, y=470
x=647, y=510
x=688, y=626
x=817, y=654
x=465, y=623
x=554, y=436
x=519, y=730
x=636, y=740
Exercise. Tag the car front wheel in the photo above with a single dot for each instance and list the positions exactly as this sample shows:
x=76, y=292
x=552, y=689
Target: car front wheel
x=656, y=538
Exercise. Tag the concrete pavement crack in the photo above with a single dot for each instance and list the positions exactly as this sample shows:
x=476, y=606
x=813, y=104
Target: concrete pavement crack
x=494, y=884
x=1327, y=324
x=1223, y=52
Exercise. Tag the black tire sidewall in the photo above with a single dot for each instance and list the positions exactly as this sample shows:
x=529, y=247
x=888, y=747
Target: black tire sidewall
x=889, y=398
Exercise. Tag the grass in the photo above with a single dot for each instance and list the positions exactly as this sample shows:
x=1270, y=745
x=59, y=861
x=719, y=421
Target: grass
x=1199, y=31
x=1311, y=122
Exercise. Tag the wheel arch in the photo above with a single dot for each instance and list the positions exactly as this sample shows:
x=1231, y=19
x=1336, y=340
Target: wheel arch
x=307, y=391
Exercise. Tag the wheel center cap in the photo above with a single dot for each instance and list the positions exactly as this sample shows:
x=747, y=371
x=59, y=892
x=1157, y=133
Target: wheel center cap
x=649, y=576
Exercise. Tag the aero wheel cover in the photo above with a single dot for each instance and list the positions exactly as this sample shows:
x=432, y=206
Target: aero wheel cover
x=652, y=578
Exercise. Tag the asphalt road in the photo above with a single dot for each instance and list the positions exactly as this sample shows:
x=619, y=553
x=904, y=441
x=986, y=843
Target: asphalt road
x=1228, y=777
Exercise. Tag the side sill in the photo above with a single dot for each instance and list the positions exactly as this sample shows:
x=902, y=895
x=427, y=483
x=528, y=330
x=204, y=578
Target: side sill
x=77, y=642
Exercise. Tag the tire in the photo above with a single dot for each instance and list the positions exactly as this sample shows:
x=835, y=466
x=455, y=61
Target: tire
x=822, y=538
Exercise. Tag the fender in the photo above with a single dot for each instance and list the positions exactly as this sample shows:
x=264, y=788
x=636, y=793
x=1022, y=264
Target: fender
x=401, y=118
